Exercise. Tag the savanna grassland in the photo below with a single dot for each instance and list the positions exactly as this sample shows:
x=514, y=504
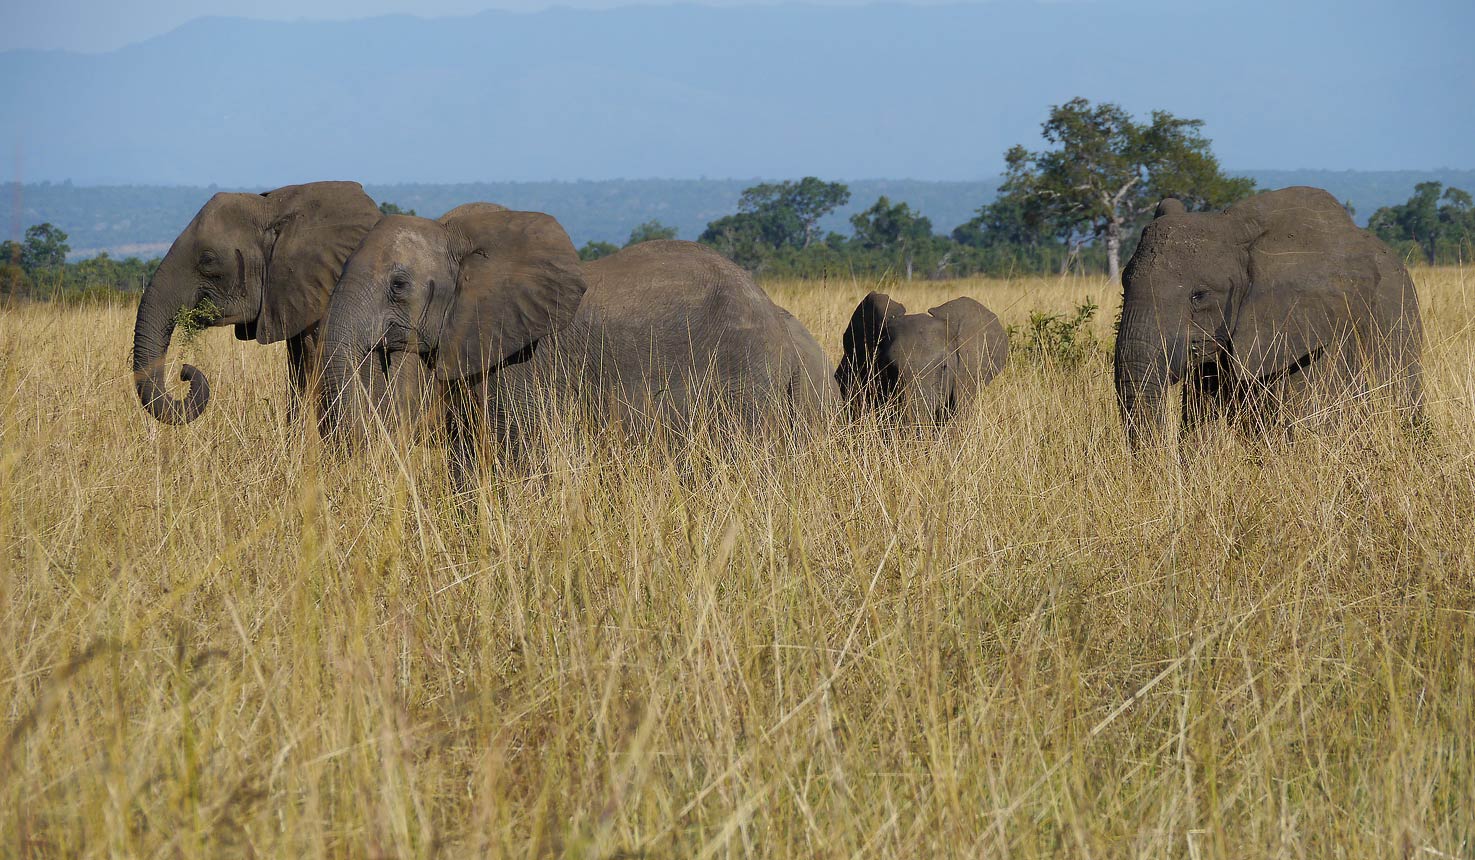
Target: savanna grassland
x=1006, y=640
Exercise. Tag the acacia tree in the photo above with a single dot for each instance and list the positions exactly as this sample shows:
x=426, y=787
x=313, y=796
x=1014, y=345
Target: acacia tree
x=1106, y=172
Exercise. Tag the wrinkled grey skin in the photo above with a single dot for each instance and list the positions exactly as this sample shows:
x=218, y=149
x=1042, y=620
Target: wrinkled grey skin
x=680, y=328
x=1269, y=313
x=268, y=262
x=919, y=368
x=512, y=323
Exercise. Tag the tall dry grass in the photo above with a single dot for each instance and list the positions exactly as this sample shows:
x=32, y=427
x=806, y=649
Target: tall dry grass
x=1009, y=641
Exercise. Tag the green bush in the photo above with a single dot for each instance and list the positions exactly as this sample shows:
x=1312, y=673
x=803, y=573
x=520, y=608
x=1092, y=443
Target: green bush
x=1062, y=341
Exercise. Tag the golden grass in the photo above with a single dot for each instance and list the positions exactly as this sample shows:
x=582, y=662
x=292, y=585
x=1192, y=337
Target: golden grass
x=1010, y=641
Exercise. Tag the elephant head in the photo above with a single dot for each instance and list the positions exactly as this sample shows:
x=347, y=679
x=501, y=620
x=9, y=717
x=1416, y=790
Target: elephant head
x=265, y=262
x=1279, y=285
x=472, y=292
x=921, y=367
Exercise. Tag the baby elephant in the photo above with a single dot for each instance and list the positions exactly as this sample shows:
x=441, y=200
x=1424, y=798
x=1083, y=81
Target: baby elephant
x=919, y=368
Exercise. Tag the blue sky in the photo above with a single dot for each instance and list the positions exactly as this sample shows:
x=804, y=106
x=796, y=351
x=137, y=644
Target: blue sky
x=102, y=25
x=312, y=89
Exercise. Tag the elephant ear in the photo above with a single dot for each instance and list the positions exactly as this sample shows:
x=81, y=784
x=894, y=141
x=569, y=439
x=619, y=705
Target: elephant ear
x=314, y=228
x=976, y=339
x=1309, y=277
x=862, y=340
x=519, y=280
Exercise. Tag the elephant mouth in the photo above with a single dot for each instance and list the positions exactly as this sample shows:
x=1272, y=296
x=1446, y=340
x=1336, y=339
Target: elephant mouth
x=246, y=330
x=379, y=359
x=1202, y=354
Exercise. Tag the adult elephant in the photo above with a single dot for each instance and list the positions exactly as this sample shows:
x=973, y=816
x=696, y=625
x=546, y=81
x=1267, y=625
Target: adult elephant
x=660, y=334
x=265, y=264
x=1275, y=310
x=919, y=368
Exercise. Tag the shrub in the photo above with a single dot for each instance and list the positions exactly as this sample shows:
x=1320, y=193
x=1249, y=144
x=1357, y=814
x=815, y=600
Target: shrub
x=1057, y=340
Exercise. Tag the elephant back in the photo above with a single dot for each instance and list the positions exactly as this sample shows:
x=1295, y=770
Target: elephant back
x=673, y=329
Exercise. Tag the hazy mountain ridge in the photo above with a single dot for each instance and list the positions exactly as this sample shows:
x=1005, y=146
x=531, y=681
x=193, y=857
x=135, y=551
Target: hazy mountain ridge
x=142, y=220
x=932, y=92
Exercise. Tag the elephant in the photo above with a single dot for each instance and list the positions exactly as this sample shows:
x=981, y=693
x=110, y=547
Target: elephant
x=1274, y=312
x=919, y=369
x=658, y=335
x=265, y=264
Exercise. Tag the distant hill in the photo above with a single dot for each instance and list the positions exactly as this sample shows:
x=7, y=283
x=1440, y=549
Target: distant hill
x=142, y=220
x=932, y=92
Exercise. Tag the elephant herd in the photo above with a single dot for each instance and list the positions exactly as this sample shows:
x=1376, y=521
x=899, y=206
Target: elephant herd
x=1269, y=311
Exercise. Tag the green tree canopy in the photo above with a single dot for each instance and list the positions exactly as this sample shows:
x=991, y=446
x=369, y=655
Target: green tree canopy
x=45, y=248
x=593, y=250
x=1007, y=221
x=740, y=238
x=791, y=211
x=387, y=208
x=1425, y=223
x=14, y=282
x=650, y=230
x=1105, y=173
x=893, y=228
x=888, y=226
x=773, y=216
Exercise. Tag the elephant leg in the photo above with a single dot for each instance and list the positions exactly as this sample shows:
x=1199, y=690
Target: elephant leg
x=461, y=447
x=469, y=424
x=1209, y=397
x=1200, y=396
x=300, y=349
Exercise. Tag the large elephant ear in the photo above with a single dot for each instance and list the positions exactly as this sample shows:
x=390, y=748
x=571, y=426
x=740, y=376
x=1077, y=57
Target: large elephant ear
x=314, y=228
x=976, y=338
x=862, y=338
x=519, y=281
x=1309, y=277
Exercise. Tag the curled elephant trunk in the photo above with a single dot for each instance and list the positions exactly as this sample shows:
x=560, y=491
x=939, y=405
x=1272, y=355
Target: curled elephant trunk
x=151, y=335
x=1141, y=378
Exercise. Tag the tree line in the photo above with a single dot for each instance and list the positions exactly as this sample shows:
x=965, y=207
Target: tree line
x=1078, y=203
x=37, y=268
x=1437, y=223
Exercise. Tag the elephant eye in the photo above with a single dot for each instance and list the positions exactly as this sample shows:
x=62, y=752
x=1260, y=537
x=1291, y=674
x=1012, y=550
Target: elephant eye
x=209, y=264
x=398, y=284
x=1198, y=297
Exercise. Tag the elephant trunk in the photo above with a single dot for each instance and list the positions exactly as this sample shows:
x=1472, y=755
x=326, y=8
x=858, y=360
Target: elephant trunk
x=161, y=303
x=1142, y=375
x=348, y=377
